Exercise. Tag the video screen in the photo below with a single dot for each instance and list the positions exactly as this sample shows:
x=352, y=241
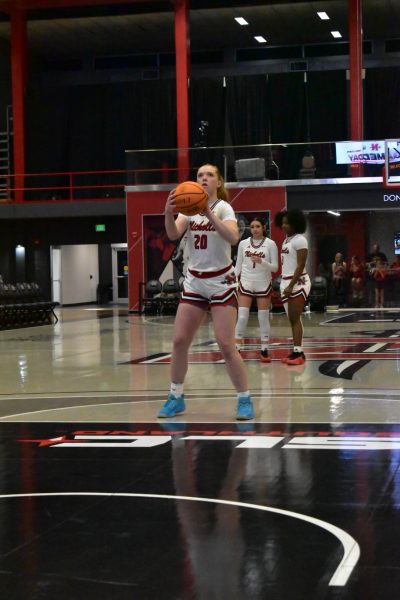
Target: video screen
x=397, y=242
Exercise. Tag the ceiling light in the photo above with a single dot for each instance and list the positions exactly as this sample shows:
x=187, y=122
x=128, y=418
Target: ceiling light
x=241, y=21
x=260, y=39
x=323, y=16
x=333, y=212
x=336, y=34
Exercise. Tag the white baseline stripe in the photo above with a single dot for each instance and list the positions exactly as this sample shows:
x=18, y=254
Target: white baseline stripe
x=351, y=549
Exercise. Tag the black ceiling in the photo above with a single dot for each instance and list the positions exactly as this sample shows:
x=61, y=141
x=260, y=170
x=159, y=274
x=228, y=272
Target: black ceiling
x=117, y=29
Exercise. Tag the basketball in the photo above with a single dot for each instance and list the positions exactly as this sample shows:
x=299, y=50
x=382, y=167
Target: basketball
x=190, y=198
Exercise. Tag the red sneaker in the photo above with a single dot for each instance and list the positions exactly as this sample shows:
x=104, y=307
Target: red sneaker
x=284, y=360
x=264, y=356
x=296, y=358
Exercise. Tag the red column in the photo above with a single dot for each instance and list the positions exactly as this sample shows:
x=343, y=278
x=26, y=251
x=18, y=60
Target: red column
x=182, y=57
x=356, y=83
x=18, y=75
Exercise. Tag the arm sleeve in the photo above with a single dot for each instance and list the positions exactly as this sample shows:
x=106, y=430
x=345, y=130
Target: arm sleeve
x=239, y=259
x=273, y=254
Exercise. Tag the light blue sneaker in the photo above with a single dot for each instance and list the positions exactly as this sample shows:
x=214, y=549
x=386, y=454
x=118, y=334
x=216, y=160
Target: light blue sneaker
x=245, y=409
x=173, y=406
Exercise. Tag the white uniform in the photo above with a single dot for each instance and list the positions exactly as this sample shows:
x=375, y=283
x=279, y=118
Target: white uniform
x=210, y=277
x=289, y=264
x=255, y=278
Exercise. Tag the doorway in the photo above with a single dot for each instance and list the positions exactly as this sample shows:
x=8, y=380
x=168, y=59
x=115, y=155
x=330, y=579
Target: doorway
x=74, y=273
x=120, y=273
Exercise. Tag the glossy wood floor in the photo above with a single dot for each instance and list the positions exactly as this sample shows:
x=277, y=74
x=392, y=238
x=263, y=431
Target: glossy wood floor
x=99, y=500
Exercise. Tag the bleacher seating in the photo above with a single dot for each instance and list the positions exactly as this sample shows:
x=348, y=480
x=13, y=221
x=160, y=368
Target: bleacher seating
x=23, y=305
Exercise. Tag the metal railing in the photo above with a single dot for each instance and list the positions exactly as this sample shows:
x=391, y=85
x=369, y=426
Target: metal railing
x=262, y=162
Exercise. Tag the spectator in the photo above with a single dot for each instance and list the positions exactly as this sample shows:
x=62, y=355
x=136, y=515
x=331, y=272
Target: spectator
x=357, y=279
x=339, y=273
x=376, y=252
x=379, y=273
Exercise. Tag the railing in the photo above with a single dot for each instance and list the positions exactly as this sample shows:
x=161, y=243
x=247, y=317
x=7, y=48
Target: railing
x=284, y=162
x=68, y=186
x=249, y=163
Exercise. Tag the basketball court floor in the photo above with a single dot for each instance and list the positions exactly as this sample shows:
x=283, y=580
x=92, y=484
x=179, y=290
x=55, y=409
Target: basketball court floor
x=99, y=499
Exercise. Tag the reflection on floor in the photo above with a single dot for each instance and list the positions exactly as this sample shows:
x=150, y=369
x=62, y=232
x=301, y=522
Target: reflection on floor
x=98, y=499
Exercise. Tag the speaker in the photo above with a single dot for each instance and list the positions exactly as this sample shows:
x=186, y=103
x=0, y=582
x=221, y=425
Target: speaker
x=250, y=169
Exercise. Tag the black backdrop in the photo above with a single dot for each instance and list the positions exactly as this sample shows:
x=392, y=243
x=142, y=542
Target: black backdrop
x=90, y=126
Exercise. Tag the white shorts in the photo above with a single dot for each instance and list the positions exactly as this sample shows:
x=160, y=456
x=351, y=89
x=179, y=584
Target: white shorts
x=259, y=289
x=219, y=290
x=302, y=287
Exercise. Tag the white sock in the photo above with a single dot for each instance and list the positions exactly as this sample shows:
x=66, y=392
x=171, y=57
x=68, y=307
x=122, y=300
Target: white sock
x=176, y=389
x=243, y=394
x=297, y=349
x=243, y=317
x=263, y=320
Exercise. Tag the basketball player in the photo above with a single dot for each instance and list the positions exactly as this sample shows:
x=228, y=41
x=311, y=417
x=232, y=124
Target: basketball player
x=295, y=284
x=257, y=259
x=210, y=283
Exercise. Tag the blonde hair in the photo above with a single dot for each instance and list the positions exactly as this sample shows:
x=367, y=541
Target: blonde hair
x=222, y=192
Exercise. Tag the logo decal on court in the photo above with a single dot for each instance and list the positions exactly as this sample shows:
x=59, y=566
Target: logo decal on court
x=248, y=438
x=341, y=357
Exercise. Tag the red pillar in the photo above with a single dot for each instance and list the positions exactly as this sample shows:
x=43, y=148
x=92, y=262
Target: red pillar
x=18, y=75
x=356, y=82
x=182, y=57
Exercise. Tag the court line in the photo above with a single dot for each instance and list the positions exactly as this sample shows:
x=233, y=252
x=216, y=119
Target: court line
x=351, y=549
x=76, y=407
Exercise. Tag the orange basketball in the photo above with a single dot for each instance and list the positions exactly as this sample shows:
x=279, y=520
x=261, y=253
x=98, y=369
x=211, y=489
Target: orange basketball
x=190, y=198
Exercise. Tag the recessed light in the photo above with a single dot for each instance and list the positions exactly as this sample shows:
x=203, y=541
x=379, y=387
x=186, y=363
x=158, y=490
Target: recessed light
x=336, y=34
x=260, y=39
x=323, y=16
x=241, y=21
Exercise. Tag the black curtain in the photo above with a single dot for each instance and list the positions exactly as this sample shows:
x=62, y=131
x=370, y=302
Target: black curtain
x=89, y=127
x=288, y=118
x=287, y=107
x=207, y=121
x=328, y=118
x=247, y=109
x=381, y=103
x=207, y=103
x=246, y=120
x=327, y=105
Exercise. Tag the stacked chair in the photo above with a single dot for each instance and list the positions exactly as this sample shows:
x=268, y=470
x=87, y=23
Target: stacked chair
x=23, y=305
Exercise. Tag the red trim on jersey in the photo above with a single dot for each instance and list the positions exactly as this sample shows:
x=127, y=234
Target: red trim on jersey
x=262, y=294
x=290, y=276
x=301, y=292
x=208, y=274
x=227, y=298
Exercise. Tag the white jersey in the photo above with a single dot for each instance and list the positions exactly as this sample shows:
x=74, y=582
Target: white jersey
x=251, y=271
x=289, y=253
x=208, y=251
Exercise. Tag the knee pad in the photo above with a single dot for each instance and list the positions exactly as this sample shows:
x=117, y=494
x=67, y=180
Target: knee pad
x=263, y=320
x=243, y=317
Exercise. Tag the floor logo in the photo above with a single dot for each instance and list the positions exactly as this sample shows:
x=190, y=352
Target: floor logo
x=303, y=440
x=341, y=357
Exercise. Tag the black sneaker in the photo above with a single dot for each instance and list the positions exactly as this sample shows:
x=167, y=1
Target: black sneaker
x=264, y=356
x=297, y=358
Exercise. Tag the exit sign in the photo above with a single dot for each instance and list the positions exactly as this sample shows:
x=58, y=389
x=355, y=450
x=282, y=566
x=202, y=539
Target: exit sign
x=100, y=227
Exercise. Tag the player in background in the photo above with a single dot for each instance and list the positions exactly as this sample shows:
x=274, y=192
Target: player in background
x=210, y=283
x=295, y=284
x=257, y=259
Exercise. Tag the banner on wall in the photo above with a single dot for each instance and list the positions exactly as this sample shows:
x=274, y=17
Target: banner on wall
x=366, y=152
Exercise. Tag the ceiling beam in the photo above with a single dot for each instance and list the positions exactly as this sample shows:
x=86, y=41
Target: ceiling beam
x=8, y=5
